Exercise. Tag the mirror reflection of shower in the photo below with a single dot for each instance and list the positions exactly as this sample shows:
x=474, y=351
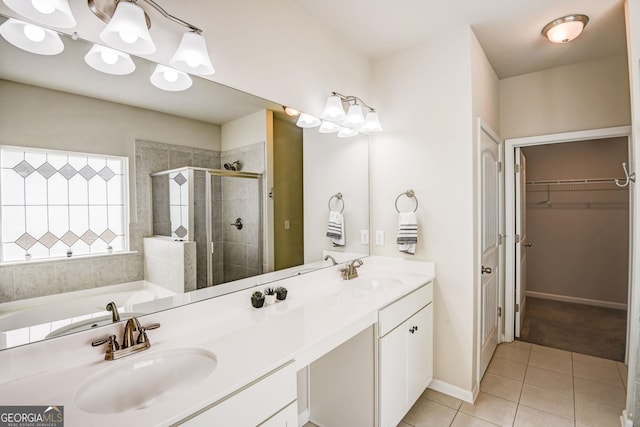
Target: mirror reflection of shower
x=196, y=204
x=234, y=166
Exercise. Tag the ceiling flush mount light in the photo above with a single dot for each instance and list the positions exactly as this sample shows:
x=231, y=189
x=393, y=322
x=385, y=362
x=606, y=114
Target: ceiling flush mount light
x=565, y=29
x=31, y=38
x=128, y=30
x=167, y=78
x=55, y=13
x=109, y=60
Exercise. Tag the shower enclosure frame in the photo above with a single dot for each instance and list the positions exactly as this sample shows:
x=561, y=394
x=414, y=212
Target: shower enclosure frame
x=209, y=218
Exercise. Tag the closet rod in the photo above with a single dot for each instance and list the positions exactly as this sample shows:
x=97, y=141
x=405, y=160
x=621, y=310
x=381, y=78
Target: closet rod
x=574, y=181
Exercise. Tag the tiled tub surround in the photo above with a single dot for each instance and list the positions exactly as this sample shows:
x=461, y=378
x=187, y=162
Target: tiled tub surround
x=320, y=313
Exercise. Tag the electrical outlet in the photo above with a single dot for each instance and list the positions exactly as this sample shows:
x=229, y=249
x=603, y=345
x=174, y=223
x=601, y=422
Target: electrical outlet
x=286, y=224
x=364, y=237
x=380, y=237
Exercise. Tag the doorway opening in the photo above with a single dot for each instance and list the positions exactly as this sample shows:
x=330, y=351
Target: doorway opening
x=568, y=284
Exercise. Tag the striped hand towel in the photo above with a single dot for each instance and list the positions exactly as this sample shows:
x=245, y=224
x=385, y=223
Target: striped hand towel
x=335, y=228
x=407, y=232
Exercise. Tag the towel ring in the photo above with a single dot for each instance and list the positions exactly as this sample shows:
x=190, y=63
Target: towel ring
x=410, y=194
x=339, y=197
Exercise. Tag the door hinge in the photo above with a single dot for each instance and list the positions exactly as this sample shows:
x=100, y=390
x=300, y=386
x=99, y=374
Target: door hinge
x=516, y=168
x=212, y=246
x=499, y=166
x=501, y=238
x=517, y=238
x=499, y=311
x=517, y=308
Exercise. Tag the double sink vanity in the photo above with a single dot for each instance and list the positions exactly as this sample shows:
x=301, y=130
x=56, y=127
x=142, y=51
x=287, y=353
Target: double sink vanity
x=336, y=352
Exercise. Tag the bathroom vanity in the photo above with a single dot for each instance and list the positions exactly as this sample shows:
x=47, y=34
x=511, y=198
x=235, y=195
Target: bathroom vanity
x=336, y=352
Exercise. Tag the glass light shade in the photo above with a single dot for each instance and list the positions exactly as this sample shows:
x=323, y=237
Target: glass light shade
x=307, y=121
x=55, y=13
x=347, y=132
x=565, y=29
x=167, y=78
x=192, y=55
x=127, y=31
x=354, y=116
x=109, y=60
x=333, y=109
x=372, y=122
x=31, y=38
x=328, y=127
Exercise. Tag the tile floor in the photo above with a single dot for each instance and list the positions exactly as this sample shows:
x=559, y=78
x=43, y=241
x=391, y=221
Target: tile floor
x=527, y=385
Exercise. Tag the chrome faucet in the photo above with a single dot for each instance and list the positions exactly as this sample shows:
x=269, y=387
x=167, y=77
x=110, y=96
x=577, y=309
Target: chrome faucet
x=350, y=271
x=333, y=260
x=129, y=345
x=113, y=308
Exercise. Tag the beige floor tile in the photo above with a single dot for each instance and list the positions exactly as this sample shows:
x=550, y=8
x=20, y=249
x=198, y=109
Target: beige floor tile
x=502, y=387
x=426, y=413
x=549, y=379
x=592, y=359
x=601, y=393
x=604, y=374
x=546, y=400
x=490, y=408
x=624, y=373
x=507, y=368
x=594, y=414
x=514, y=352
x=551, y=359
x=529, y=417
x=442, y=399
x=464, y=420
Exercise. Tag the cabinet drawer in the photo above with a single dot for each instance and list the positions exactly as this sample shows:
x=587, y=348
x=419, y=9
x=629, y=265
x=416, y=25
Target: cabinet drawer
x=397, y=312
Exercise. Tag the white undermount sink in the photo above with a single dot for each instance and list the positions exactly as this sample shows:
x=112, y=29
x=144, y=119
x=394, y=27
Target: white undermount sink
x=140, y=381
x=375, y=283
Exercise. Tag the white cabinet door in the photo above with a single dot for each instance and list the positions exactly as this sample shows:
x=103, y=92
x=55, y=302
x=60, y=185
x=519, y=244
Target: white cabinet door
x=405, y=365
x=420, y=353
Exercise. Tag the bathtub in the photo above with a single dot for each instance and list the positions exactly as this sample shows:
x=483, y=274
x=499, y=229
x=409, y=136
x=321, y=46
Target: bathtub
x=34, y=319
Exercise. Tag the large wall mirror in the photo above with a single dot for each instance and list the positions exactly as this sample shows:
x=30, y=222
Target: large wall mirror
x=220, y=192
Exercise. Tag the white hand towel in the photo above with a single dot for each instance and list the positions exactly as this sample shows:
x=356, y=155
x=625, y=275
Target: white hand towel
x=407, y=232
x=335, y=228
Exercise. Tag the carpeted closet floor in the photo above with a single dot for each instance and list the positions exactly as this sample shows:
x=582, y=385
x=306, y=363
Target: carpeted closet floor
x=579, y=328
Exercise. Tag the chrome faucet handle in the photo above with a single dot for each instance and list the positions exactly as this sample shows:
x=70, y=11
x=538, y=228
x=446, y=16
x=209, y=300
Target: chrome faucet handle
x=142, y=336
x=111, y=340
x=127, y=336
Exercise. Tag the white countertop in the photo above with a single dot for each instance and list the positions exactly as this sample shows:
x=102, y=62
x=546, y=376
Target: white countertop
x=321, y=312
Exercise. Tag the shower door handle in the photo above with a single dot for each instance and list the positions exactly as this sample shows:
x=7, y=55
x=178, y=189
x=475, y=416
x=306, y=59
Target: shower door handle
x=487, y=270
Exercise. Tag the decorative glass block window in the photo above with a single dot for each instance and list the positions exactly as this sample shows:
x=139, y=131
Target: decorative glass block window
x=58, y=204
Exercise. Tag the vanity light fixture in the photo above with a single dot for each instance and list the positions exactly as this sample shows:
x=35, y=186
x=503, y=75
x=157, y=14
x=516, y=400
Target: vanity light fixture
x=31, y=38
x=328, y=127
x=109, y=60
x=167, y=78
x=347, y=132
x=565, y=29
x=355, y=118
x=128, y=30
x=55, y=13
x=308, y=121
x=291, y=112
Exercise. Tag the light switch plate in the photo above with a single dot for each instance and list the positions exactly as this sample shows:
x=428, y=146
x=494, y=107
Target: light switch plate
x=380, y=237
x=364, y=237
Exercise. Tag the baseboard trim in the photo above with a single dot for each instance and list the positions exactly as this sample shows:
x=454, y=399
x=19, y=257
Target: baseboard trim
x=454, y=391
x=577, y=300
x=303, y=417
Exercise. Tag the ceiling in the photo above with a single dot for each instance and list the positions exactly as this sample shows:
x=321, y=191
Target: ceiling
x=508, y=30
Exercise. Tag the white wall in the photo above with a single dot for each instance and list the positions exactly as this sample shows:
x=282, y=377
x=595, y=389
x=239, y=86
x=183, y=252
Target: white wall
x=334, y=165
x=588, y=95
x=244, y=131
x=427, y=146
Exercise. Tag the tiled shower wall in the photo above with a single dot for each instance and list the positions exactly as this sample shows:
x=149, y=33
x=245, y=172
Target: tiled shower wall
x=34, y=279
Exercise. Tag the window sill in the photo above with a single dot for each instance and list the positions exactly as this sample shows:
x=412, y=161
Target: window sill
x=63, y=259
